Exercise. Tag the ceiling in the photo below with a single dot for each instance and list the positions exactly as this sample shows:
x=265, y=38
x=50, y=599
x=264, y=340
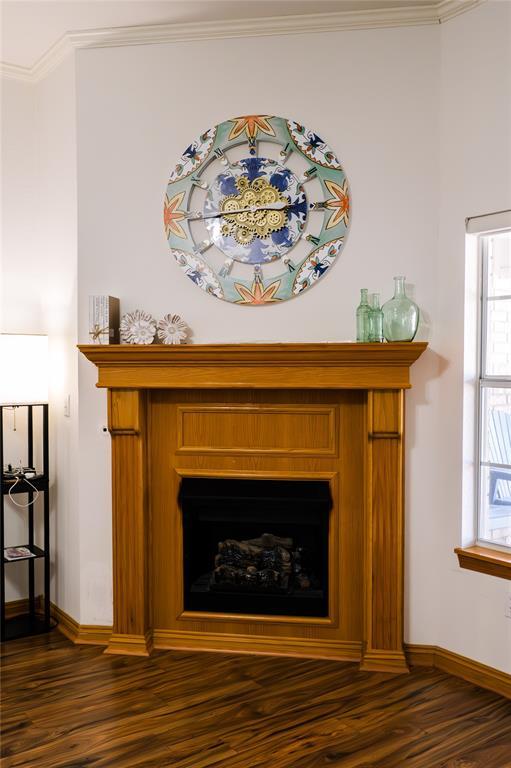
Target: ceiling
x=30, y=28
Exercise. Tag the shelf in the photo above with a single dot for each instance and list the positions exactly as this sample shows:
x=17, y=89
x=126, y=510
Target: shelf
x=485, y=560
x=37, y=552
x=40, y=482
x=345, y=365
x=35, y=454
x=25, y=625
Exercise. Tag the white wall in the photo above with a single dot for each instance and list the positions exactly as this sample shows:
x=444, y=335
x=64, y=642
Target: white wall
x=139, y=107
x=476, y=179
x=39, y=294
x=18, y=308
x=57, y=186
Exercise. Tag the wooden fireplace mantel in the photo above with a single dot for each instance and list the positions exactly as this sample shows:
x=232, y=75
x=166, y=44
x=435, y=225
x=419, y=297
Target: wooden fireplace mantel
x=135, y=374
x=278, y=366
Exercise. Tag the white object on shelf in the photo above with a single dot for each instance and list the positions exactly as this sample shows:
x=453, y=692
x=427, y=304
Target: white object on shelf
x=104, y=319
x=172, y=330
x=17, y=553
x=138, y=327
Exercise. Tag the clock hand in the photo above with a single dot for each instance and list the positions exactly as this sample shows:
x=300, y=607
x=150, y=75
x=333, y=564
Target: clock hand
x=270, y=207
x=250, y=209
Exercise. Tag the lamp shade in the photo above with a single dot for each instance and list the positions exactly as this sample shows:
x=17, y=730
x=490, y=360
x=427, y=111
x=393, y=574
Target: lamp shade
x=23, y=369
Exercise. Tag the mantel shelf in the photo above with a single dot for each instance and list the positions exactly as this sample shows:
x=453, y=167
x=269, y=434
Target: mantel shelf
x=312, y=366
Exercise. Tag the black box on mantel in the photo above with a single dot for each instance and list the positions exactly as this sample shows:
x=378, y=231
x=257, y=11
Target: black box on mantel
x=104, y=319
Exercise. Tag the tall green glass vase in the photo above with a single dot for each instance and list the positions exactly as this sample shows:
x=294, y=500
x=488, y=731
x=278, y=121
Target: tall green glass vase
x=400, y=315
x=363, y=312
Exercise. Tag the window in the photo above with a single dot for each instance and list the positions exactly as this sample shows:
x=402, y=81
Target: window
x=494, y=443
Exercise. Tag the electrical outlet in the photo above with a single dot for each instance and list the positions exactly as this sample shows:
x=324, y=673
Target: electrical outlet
x=507, y=611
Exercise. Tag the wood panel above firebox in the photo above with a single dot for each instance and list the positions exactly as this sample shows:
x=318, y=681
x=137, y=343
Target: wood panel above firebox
x=276, y=429
x=318, y=412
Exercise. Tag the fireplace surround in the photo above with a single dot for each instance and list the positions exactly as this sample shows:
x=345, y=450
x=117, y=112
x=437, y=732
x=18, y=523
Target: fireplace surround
x=224, y=417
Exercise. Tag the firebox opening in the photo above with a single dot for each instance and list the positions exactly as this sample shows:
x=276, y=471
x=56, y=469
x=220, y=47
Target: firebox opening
x=256, y=546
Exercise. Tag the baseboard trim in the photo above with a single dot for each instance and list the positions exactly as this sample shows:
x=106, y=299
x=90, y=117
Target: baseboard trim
x=68, y=626
x=80, y=634
x=420, y=655
x=130, y=645
x=163, y=639
x=375, y=660
x=310, y=648
x=460, y=666
x=17, y=607
x=89, y=634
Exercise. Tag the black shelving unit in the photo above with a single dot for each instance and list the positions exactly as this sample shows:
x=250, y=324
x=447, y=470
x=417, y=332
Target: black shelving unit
x=35, y=621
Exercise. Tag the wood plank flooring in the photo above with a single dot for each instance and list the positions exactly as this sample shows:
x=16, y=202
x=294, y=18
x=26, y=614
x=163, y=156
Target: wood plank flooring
x=66, y=706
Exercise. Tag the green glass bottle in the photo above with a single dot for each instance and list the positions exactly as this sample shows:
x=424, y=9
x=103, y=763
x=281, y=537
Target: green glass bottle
x=375, y=319
x=400, y=314
x=363, y=311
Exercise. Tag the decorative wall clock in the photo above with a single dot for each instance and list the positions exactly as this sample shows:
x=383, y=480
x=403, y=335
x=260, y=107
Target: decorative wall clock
x=251, y=225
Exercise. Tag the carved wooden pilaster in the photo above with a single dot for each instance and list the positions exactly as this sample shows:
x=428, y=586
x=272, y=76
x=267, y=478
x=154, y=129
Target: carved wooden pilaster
x=383, y=615
x=130, y=528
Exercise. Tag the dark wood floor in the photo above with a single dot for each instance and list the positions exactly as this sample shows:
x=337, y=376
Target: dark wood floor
x=69, y=706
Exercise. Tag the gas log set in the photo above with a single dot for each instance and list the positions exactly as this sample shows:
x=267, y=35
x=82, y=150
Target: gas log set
x=268, y=563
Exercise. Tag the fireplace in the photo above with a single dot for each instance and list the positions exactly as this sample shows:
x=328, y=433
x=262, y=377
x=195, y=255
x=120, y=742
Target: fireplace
x=255, y=546
x=203, y=436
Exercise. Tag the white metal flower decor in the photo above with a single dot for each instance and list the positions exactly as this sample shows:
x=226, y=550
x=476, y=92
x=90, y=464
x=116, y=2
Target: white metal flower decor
x=138, y=327
x=172, y=330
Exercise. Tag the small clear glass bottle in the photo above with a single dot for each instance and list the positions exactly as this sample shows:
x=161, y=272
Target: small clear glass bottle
x=400, y=314
x=375, y=318
x=363, y=311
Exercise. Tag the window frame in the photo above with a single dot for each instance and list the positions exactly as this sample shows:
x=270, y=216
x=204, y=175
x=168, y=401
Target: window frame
x=485, y=381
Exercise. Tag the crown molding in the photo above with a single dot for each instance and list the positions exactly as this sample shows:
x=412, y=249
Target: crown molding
x=111, y=37
x=53, y=57
x=448, y=9
x=15, y=72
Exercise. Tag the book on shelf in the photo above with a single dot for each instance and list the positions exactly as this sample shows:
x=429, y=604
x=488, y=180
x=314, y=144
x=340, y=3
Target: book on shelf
x=104, y=318
x=17, y=553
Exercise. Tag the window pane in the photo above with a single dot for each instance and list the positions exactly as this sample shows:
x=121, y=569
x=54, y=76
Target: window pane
x=496, y=425
x=499, y=265
x=495, y=401
x=495, y=517
x=498, y=338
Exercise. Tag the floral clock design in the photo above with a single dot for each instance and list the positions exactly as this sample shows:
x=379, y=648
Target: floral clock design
x=232, y=215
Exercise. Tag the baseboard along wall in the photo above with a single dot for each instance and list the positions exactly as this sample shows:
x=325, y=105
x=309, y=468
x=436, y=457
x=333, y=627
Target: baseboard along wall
x=460, y=666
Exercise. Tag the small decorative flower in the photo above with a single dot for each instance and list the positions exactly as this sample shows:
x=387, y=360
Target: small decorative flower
x=172, y=330
x=251, y=125
x=138, y=327
x=258, y=293
x=172, y=215
x=339, y=203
